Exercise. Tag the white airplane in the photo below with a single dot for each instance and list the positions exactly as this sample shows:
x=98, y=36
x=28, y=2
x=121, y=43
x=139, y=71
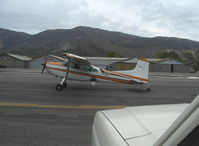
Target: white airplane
x=78, y=68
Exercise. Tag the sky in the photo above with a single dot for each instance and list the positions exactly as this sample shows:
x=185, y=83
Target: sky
x=146, y=18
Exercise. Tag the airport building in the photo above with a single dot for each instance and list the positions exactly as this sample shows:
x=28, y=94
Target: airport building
x=14, y=61
x=114, y=63
x=156, y=65
x=36, y=63
x=169, y=65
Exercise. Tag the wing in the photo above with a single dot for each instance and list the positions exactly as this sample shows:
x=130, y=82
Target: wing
x=57, y=57
x=76, y=58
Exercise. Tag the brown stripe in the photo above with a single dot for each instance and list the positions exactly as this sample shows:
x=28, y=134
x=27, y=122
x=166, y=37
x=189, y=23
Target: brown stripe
x=102, y=77
x=125, y=75
x=96, y=76
x=55, y=63
x=57, y=69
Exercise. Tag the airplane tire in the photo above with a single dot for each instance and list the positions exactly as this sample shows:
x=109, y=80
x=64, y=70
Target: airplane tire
x=59, y=87
x=148, y=89
x=64, y=85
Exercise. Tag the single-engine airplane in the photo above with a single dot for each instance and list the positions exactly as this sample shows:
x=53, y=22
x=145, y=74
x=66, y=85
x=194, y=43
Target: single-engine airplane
x=74, y=67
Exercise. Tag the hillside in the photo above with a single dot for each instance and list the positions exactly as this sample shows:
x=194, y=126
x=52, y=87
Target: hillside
x=88, y=41
x=10, y=38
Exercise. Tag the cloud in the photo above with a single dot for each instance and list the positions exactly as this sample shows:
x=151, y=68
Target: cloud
x=147, y=18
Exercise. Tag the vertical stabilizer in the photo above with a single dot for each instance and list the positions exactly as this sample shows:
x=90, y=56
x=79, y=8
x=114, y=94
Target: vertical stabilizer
x=141, y=71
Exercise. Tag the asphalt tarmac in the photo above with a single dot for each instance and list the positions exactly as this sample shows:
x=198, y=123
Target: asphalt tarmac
x=32, y=112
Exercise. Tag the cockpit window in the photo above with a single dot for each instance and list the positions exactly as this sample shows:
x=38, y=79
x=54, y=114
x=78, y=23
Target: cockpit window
x=85, y=68
x=75, y=65
x=81, y=67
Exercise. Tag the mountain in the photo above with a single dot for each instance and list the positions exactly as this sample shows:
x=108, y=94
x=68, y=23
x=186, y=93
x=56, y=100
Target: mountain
x=86, y=41
x=10, y=38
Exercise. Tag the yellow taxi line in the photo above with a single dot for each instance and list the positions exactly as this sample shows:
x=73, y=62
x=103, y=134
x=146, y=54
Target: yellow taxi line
x=61, y=106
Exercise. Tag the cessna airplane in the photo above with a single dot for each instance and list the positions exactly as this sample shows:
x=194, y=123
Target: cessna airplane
x=74, y=67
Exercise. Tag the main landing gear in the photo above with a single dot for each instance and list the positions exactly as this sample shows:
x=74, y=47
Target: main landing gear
x=63, y=84
x=59, y=87
x=147, y=87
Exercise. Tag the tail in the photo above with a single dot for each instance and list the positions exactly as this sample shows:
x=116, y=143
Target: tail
x=141, y=70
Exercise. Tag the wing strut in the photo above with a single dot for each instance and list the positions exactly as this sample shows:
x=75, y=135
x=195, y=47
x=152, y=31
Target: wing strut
x=63, y=83
x=68, y=69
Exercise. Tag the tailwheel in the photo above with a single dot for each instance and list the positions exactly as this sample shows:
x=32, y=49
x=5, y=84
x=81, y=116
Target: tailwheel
x=59, y=87
x=148, y=89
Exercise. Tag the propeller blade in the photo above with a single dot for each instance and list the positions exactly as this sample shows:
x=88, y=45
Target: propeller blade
x=44, y=66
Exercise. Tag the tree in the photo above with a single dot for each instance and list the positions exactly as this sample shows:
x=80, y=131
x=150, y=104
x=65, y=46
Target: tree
x=188, y=58
x=192, y=59
x=111, y=54
x=170, y=54
x=196, y=64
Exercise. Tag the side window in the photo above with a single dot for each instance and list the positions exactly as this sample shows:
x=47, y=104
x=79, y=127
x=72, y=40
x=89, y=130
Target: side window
x=81, y=67
x=192, y=139
x=85, y=68
x=76, y=66
x=93, y=70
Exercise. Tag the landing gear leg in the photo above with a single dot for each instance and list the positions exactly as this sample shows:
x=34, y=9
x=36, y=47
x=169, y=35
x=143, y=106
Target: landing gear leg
x=63, y=84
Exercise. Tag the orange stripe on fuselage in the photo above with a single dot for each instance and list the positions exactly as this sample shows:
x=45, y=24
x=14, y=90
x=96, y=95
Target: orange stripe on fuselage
x=96, y=76
x=57, y=69
x=125, y=75
x=55, y=63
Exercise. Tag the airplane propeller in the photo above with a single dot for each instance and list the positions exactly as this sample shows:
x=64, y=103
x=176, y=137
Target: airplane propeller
x=44, y=65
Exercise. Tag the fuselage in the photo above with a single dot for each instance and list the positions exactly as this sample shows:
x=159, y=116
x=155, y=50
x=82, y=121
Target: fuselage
x=90, y=73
